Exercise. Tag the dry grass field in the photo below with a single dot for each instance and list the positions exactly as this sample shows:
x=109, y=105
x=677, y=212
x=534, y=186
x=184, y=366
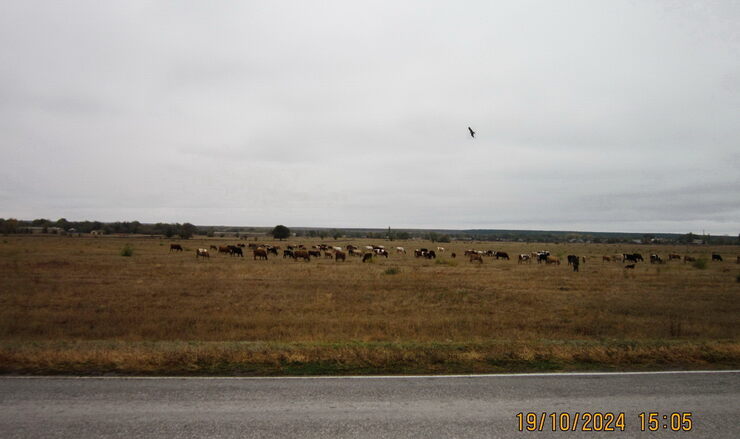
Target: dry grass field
x=76, y=305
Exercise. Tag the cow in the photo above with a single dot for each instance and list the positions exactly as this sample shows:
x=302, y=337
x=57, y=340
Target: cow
x=213, y=247
x=738, y=259
x=575, y=264
x=689, y=259
x=353, y=251
x=476, y=257
x=441, y=249
x=606, y=259
x=259, y=253
x=632, y=257
x=454, y=255
x=525, y=258
x=655, y=259
x=629, y=267
x=366, y=257
x=302, y=254
x=273, y=250
x=716, y=257
x=400, y=250
x=327, y=254
x=381, y=253
x=287, y=254
x=236, y=251
x=552, y=260
x=618, y=258
x=339, y=255
x=501, y=255
x=430, y=254
x=175, y=248
x=224, y=249
x=542, y=256
x=202, y=253
x=572, y=259
x=674, y=256
x=241, y=244
x=314, y=253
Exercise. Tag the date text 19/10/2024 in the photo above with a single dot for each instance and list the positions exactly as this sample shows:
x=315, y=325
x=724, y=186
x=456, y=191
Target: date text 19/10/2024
x=602, y=421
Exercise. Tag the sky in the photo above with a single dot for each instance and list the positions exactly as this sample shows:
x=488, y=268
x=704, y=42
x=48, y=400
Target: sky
x=591, y=115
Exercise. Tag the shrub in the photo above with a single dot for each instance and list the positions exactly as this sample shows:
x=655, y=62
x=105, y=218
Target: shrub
x=392, y=270
x=700, y=264
x=127, y=250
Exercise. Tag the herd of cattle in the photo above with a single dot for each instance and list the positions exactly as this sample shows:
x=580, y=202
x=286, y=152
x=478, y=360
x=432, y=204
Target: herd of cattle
x=303, y=253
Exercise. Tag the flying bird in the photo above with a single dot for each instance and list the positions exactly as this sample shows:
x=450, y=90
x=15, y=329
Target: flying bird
x=472, y=133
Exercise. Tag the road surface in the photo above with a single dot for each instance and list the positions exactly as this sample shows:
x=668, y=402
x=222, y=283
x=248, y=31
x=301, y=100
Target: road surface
x=424, y=407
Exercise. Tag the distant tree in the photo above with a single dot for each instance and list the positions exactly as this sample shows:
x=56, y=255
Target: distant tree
x=444, y=238
x=280, y=232
x=187, y=231
x=336, y=234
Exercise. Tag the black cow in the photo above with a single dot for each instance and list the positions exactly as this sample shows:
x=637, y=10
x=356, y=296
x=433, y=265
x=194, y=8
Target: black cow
x=287, y=254
x=501, y=255
x=367, y=257
x=572, y=259
x=430, y=254
x=175, y=247
x=655, y=259
x=235, y=251
x=716, y=257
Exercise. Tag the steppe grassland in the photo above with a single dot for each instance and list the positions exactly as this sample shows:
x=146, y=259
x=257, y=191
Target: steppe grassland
x=71, y=304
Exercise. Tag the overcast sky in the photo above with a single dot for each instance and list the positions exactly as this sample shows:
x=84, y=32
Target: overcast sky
x=590, y=115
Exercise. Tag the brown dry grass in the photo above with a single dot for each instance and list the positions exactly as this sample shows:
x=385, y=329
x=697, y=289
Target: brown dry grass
x=76, y=305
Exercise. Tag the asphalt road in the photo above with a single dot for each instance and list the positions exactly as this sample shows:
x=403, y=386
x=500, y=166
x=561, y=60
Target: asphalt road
x=428, y=407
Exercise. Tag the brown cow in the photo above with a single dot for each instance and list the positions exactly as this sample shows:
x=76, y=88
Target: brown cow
x=339, y=255
x=301, y=254
x=367, y=257
x=475, y=257
x=552, y=260
x=672, y=256
x=606, y=259
x=175, y=247
x=260, y=253
x=689, y=259
x=224, y=249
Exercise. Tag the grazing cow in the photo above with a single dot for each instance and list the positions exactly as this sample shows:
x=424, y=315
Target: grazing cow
x=525, y=258
x=224, y=249
x=259, y=253
x=476, y=257
x=302, y=254
x=606, y=259
x=337, y=249
x=366, y=257
x=241, y=245
x=202, y=253
x=501, y=255
x=382, y=253
x=369, y=247
x=716, y=257
x=354, y=251
x=672, y=256
x=542, y=256
x=575, y=264
x=629, y=267
x=236, y=251
x=339, y=255
x=454, y=255
x=552, y=260
x=328, y=254
x=618, y=258
x=441, y=249
x=572, y=259
x=655, y=259
x=314, y=253
x=418, y=253
x=287, y=254
x=689, y=259
x=430, y=254
x=213, y=247
x=400, y=250
x=175, y=247
x=632, y=257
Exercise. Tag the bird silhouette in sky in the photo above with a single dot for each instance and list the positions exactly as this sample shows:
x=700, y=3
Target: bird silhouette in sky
x=472, y=133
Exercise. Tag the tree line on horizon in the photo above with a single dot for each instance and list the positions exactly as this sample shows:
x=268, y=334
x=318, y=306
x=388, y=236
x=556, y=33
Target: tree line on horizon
x=187, y=230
